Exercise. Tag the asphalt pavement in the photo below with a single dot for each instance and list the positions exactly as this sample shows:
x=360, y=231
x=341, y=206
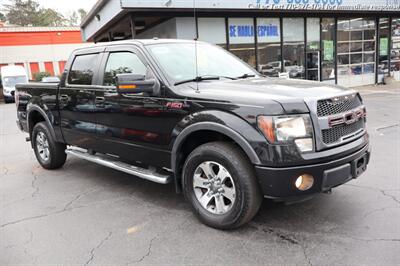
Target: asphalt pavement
x=86, y=214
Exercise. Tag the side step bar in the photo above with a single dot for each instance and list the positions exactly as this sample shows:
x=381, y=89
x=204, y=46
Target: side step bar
x=121, y=166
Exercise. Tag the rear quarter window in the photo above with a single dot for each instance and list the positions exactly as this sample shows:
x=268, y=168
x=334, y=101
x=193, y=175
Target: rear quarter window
x=82, y=70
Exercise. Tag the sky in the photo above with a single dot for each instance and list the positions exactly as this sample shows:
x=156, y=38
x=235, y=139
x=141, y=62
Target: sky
x=65, y=7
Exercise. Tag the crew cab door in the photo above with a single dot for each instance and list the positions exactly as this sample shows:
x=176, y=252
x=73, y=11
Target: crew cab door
x=76, y=99
x=129, y=125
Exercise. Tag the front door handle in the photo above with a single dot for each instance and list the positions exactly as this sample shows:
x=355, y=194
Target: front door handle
x=64, y=98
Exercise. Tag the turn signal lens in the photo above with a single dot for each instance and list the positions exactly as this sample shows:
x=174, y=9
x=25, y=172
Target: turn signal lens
x=304, y=182
x=132, y=86
x=304, y=145
x=266, y=125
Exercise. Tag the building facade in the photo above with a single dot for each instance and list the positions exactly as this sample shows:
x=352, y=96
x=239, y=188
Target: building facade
x=38, y=49
x=345, y=42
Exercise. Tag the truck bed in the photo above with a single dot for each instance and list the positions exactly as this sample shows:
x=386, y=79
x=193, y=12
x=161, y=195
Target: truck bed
x=35, y=85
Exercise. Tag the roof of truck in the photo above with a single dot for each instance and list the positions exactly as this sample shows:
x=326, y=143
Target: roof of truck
x=139, y=42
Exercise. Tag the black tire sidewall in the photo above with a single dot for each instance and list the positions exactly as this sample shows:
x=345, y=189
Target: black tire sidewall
x=238, y=171
x=52, y=161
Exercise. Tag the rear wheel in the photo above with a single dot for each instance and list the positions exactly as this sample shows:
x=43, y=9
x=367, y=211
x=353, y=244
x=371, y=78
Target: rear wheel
x=49, y=153
x=220, y=184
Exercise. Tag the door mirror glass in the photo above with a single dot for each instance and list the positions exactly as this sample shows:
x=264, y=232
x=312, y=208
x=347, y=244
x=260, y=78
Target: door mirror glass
x=134, y=83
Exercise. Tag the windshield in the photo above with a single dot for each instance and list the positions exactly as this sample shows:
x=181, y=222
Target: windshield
x=178, y=60
x=10, y=82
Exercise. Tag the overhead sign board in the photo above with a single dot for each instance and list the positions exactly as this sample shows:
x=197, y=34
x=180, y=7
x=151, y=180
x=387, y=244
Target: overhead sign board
x=339, y=5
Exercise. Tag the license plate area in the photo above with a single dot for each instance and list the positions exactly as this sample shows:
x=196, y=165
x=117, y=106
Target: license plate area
x=359, y=165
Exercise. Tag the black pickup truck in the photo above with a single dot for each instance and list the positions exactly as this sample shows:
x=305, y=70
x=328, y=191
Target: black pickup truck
x=191, y=113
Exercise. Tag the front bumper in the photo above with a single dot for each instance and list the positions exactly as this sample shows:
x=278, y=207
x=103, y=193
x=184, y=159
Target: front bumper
x=9, y=95
x=278, y=183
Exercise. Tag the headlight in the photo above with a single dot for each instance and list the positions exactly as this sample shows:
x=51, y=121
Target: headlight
x=288, y=129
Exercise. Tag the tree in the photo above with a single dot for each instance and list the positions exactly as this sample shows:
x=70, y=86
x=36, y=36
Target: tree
x=50, y=17
x=82, y=14
x=2, y=17
x=73, y=19
x=29, y=13
x=38, y=76
x=22, y=13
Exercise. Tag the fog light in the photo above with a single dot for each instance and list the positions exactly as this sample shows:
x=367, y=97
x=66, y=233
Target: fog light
x=304, y=182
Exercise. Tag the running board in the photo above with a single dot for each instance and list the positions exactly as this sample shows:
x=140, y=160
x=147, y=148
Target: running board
x=121, y=166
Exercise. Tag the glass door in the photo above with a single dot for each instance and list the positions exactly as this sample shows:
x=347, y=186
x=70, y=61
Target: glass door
x=395, y=49
x=383, y=63
x=356, y=51
x=293, y=47
x=328, y=55
x=313, y=49
x=312, y=65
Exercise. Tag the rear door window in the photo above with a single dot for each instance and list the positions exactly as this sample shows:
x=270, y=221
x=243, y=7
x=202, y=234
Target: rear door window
x=82, y=70
x=122, y=63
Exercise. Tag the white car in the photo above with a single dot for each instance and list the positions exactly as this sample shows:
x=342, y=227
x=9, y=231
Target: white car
x=10, y=76
x=51, y=79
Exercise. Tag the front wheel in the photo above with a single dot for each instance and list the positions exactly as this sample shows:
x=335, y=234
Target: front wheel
x=49, y=153
x=220, y=184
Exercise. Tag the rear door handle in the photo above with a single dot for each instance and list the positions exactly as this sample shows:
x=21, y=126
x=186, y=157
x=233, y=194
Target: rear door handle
x=99, y=100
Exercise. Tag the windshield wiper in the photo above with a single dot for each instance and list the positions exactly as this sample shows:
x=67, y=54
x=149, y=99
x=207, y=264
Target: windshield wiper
x=245, y=76
x=202, y=78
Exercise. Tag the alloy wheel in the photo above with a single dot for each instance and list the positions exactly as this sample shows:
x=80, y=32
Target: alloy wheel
x=42, y=145
x=214, y=187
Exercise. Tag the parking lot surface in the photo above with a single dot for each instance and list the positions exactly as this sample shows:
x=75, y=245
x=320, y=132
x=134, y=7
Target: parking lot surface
x=86, y=214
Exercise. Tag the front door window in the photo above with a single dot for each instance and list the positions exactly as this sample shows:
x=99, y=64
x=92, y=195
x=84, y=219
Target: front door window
x=122, y=63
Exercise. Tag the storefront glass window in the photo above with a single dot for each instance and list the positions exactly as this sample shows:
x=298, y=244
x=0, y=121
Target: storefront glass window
x=293, y=47
x=312, y=53
x=242, y=39
x=383, y=45
x=313, y=34
x=395, y=51
x=356, y=51
x=328, y=49
x=212, y=30
x=269, y=46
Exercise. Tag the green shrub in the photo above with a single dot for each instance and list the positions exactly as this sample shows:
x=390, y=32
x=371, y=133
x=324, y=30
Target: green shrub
x=38, y=76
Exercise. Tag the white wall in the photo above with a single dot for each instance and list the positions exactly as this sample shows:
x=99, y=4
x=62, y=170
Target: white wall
x=37, y=53
x=186, y=28
x=165, y=30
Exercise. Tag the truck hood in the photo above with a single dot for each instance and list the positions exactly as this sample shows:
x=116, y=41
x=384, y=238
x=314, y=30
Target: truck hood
x=291, y=94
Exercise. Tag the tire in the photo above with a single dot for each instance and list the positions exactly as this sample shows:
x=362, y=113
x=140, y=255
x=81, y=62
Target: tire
x=44, y=144
x=237, y=177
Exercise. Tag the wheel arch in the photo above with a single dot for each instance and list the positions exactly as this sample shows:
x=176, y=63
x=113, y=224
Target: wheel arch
x=203, y=127
x=36, y=115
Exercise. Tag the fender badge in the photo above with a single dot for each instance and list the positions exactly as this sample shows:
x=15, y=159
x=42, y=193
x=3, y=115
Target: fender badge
x=174, y=105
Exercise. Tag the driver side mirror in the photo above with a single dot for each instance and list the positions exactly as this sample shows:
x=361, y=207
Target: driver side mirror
x=133, y=83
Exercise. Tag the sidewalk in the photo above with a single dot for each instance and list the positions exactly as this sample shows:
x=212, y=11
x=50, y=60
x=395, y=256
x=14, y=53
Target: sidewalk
x=391, y=87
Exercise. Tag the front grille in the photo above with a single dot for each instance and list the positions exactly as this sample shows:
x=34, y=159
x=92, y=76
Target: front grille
x=335, y=134
x=341, y=105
